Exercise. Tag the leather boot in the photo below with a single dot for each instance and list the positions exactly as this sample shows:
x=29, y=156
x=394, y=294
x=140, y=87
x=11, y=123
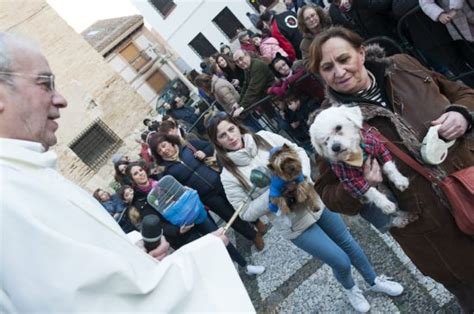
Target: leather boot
x=261, y=227
x=258, y=241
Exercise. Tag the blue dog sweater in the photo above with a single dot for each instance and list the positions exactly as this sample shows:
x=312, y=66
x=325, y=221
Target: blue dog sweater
x=277, y=185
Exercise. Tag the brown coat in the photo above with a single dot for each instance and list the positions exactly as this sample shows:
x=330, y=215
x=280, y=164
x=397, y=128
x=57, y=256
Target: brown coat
x=304, y=47
x=433, y=242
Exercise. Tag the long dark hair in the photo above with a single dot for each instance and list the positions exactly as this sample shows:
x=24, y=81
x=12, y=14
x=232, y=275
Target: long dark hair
x=155, y=139
x=277, y=58
x=128, y=172
x=221, y=153
x=230, y=63
x=120, y=177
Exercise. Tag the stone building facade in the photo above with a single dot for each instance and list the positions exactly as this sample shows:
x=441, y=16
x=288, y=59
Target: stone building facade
x=95, y=92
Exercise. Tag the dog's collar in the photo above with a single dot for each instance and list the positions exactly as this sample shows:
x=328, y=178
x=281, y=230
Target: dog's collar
x=357, y=159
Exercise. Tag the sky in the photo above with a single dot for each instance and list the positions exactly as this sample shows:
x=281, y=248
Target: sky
x=80, y=14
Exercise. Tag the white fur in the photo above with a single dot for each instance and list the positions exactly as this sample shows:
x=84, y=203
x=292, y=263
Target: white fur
x=340, y=126
x=324, y=135
x=398, y=179
x=380, y=200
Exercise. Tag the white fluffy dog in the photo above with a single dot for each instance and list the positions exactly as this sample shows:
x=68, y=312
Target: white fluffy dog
x=337, y=135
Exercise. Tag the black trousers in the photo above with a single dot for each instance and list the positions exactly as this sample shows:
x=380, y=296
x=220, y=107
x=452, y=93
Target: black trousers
x=219, y=204
x=202, y=229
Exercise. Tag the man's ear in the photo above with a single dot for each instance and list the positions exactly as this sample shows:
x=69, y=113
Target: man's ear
x=354, y=114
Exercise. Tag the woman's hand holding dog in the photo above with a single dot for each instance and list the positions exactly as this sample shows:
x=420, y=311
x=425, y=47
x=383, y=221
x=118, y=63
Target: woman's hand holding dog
x=372, y=172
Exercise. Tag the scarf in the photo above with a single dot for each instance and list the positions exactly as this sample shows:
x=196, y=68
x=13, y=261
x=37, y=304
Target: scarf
x=147, y=188
x=373, y=92
x=245, y=155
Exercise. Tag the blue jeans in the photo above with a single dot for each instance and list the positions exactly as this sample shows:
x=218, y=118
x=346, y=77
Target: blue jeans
x=330, y=241
x=376, y=217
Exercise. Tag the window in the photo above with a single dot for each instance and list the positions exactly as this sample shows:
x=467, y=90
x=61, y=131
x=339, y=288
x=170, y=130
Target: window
x=228, y=23
x=136, y=58
x=202, y=46
x=164, y=7
x=96, y=144
x=157, y=81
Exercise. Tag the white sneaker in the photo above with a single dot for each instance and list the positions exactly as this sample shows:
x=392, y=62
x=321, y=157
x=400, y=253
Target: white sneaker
x=254, y=269
x=357, y=299
x=384, y=285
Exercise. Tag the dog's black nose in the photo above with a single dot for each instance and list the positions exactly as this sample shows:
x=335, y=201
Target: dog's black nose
x=336, y=147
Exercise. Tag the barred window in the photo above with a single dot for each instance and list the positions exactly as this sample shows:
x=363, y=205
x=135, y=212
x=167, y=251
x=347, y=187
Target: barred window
x=163, y=6
x=202, y=46
x=228, y=23
x=96, y=144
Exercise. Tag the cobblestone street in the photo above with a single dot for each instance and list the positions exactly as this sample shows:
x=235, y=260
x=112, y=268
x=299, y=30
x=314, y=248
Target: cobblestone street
x=296, y=283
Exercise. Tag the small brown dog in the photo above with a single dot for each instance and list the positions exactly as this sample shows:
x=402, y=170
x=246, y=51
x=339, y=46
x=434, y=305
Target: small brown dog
x=289, y=188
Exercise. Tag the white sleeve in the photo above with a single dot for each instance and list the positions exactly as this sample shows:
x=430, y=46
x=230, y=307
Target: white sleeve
x=256, y=208
x=431, y=9
x=237, y=195
x=70, y=252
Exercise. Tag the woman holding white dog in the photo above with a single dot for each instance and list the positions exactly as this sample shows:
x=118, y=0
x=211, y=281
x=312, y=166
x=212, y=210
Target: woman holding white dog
x=322, y=234
x=402, y=99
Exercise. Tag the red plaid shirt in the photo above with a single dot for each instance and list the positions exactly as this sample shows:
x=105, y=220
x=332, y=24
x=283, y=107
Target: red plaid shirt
x=352, y=177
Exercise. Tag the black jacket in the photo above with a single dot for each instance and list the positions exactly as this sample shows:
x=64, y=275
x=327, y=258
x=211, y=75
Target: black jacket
x=194, y=173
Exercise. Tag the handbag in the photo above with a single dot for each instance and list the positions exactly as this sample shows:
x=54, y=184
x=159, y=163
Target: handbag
x=458, y=187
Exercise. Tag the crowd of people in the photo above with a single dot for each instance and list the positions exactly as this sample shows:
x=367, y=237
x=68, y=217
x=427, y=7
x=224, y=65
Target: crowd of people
x=307, y=57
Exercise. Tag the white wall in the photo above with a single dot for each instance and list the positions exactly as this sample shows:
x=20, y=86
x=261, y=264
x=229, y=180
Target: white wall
x=189, y=18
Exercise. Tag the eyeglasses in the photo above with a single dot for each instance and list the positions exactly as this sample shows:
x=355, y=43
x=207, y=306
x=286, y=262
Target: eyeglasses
x=49, y=78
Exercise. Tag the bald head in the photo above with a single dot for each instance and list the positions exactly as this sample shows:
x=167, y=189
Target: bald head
x=242, y=59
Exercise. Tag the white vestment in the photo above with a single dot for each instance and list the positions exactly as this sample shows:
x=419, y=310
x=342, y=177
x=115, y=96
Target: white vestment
x=61, y=251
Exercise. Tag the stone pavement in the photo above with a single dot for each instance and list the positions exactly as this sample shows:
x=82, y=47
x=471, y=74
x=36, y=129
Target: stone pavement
x=294, y=282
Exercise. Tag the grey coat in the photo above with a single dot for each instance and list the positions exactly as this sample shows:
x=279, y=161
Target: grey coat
x=224, y=92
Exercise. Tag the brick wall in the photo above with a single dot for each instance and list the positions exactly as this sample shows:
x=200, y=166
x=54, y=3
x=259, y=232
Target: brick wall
x=82, y=75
